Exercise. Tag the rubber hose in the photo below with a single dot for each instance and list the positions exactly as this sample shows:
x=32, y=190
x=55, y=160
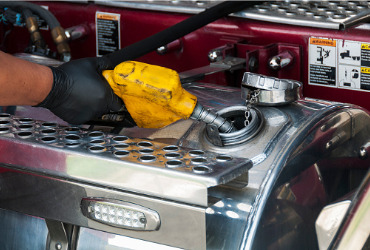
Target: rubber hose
x=57, y=32
x=177, y=31
x=10, y=16
x=26, y=13
x=43, y=13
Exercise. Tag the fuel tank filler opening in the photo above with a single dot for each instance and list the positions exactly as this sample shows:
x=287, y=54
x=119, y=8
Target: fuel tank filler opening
x=246, y=126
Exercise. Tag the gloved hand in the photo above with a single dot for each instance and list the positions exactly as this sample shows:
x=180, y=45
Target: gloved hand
x=80, y=92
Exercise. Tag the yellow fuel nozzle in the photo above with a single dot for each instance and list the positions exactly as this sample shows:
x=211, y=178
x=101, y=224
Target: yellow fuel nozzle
x=154, y=97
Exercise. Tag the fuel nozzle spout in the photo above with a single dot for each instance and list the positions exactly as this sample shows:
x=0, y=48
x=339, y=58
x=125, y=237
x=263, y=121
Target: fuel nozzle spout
x=212, y=118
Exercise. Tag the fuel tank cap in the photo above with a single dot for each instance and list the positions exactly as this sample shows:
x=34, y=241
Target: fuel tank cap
x=271, y=91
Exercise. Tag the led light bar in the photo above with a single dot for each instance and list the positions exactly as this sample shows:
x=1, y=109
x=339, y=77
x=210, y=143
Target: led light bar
x=120, y=214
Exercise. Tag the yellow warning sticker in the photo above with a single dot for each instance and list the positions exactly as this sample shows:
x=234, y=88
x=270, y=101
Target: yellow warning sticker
x=365, y=46
x=107, y=16
x=365, y=70
x=323, y=42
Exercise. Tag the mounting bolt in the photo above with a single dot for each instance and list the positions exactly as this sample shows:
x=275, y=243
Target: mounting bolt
x=281, y=60
x=143, y=220
x=363, y=153
x=215, y=55
x=58, y=246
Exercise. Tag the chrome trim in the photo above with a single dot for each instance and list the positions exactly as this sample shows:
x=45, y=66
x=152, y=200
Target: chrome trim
x=145, y=160
x=355, y=227
x=188, y=7
x=328, y=222
x=317, y=14
x=88, y=240
x=58, y=199
x=19, y=231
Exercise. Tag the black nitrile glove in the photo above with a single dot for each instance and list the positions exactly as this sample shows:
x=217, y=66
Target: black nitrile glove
x=80, y=93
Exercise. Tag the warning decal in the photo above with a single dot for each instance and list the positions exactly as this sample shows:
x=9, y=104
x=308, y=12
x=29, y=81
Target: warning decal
x=107, y=33
x=365, y=46
x=322, y=74
x=322, y=61
x=365, y=78
x=365, y=54
x=339, y=63
x=322, y=42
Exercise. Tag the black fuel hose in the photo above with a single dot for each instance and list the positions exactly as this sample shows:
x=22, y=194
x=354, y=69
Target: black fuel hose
x=177, y=31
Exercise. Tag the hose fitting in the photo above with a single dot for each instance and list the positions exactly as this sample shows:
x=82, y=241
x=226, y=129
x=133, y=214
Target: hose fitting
x=211, y=118
x=33, y=28
x=60, y=39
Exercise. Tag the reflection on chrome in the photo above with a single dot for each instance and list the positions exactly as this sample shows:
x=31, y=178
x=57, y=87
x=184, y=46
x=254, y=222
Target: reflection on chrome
x=210, y=211
x=88, y=241
x=219, y=204
x=232, y=214
x=244, y=207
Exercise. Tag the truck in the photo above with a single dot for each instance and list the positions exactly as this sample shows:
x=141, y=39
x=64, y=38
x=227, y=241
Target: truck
x=294, y=174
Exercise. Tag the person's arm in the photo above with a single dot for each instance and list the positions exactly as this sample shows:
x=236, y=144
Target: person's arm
x=75, y=91
x=22, y=82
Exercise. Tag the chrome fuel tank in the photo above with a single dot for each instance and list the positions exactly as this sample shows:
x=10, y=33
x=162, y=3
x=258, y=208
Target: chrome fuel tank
x=263, y=191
